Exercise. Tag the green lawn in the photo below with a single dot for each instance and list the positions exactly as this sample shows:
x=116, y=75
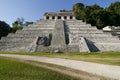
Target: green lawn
x=13, y=70
x=112, y=58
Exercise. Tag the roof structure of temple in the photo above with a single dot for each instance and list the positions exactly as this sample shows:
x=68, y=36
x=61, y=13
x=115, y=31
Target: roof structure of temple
x=59, y=14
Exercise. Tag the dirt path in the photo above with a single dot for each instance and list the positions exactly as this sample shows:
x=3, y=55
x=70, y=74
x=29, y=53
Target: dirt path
x=94, y=68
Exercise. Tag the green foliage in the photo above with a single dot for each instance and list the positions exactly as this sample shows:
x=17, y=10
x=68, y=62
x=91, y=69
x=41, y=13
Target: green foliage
x=78, y=9
x=97, y=16
x=105, y=18
x=18, y=24
x=12, y=70
x=114, y=7
x=91, y=14
x=4, y=28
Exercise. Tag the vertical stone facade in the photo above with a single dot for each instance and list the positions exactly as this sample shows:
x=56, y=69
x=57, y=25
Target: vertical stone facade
x=59, y=16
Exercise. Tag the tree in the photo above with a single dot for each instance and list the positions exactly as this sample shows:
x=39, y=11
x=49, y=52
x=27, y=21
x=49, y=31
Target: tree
x=97, y=16
x=78, y=9
x=4, y=28
x=114, y=7
x=20, y=21
x=91, y=13
x=18, y=24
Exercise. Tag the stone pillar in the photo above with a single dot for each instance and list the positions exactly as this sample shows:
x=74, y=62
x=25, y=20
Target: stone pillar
x=56, y=17
x=50, y=17
x=74, y=17
x=62, y=17
x=68, y=17
x=44, y=17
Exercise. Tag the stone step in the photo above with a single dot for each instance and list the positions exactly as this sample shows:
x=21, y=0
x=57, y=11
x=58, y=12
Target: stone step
x=118, y=32
x=3, y=38
x=42, y=29
x=108, y=46
x=22, y=36
x=38, y=29
x=74, y=21
x=45, y=22
x=85, y=31
x=26, y=35
x=103, y=37
x=4, y=44
x=75, y=40
x=104, y=40
x=78, y=24
x=99, y=36
x=8, y=46
x=33, y=31
x=10, y=39
x=13, y=48
x=93, y=35
x=42, y=26
x=36, y=34
x=81, y=26
x=23, y=41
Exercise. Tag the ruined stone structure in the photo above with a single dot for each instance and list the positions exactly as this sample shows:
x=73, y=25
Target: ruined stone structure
x=59, y=15
x=60, y=32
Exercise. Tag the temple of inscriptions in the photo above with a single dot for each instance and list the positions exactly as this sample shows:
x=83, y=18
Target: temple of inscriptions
x=59, y=32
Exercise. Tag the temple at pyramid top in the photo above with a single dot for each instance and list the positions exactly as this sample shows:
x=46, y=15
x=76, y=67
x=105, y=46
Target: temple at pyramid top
x=59, y=16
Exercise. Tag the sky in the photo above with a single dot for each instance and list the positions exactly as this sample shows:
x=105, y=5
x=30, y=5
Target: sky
x=32, y=10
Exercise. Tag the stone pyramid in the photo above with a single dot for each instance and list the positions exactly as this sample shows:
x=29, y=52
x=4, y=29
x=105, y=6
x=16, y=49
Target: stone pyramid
x=59, y=32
